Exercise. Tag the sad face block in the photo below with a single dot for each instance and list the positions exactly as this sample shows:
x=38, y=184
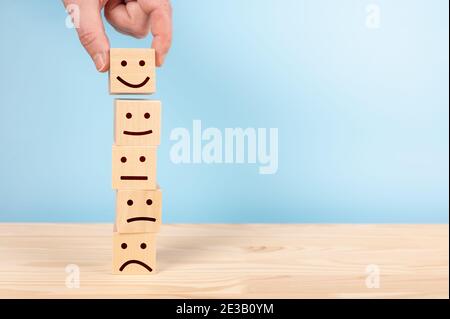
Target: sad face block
x=134, y=167
x=134, y=253
x=138, y=211
x=137, y=122
x=132, y=71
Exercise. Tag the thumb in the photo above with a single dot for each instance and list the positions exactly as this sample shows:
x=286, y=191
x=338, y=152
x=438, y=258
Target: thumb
x=92, y=33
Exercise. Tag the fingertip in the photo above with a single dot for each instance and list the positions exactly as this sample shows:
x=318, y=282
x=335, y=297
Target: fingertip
x=104, y=69
x=159, y=60
x=161, y=50
x=101, y=61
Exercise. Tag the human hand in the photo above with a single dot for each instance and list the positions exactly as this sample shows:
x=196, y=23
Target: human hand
x=131, y=17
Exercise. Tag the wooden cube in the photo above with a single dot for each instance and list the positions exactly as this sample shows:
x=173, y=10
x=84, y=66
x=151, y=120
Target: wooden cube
x=134, y=167
x=137, y=122
x=132, y=71
x=138, y=211
x=134, y=253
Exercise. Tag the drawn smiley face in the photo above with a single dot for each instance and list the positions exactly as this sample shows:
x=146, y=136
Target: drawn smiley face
x=132, y=71
x=137, y=122
x=133, y=167
x=138, y=211
x=124, y=63
x=134, y=253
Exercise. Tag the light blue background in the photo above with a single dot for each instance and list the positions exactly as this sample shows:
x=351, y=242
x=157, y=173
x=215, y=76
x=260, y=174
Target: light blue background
x=363, y=115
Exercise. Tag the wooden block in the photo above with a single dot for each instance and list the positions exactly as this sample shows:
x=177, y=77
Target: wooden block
x=137, y=122
x=138, y=211
x=134, y=253
x=132, y=71
x=134, y=167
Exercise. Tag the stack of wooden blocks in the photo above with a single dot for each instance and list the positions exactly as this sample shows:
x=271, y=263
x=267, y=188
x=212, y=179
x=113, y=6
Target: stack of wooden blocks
x=137, y=127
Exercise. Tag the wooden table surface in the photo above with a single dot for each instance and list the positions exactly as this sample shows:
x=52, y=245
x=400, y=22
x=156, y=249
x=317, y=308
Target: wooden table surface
x=231, y=261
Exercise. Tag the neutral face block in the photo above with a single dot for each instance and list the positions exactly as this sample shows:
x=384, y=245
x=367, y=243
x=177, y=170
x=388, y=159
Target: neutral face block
x=134, y=254
x=137, y=122
x=134, y=167
x=132, y=71
x=138, y=211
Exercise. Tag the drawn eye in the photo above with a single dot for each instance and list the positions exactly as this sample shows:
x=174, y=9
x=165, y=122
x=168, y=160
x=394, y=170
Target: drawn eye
x=123, y=159
x=147, y=115
x=123, y=63
x=143, y=245
x=142, y=63
x=149, y=202
x=130, y=202
x=129, y=115
x=124, y=246
x=142, y=158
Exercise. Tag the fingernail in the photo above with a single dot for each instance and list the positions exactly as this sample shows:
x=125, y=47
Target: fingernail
x=100, y=61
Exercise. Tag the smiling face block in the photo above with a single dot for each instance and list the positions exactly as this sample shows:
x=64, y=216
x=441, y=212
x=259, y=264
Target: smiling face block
x=133, y=167
x=134, y=254
x=138, y=211
x=137, y=122
x=132, y=71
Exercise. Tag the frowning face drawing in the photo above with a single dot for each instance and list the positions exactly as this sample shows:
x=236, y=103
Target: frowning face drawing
x=138, y=211
x=132, y=71
x=134, y=253
x=137, y=122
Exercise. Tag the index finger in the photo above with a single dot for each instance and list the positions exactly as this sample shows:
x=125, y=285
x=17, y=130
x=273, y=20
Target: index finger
x=160, y=14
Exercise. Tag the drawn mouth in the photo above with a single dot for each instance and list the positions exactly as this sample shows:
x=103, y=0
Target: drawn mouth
x=138, y=133
x=129, y=262
x=131, y=85
x=134, y=178
x=146, y=219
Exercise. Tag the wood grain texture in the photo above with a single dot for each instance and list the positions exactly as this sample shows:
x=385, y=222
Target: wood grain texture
x=231, y=261
x=134, y=162
x=132, y=71
x=134, y=254
x=133, y=204
x=137, y=122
